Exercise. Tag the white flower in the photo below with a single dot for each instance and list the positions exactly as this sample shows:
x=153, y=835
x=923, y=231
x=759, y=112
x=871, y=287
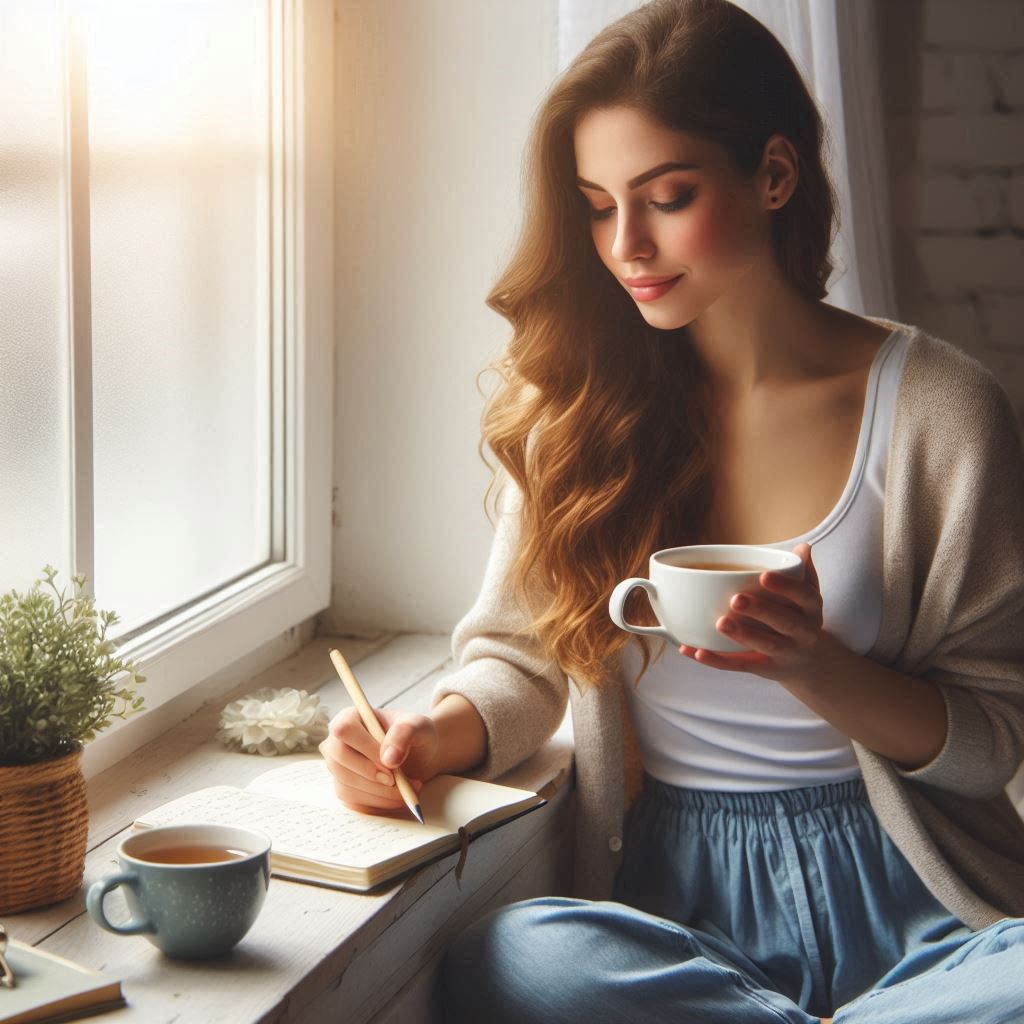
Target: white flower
x=273, y=722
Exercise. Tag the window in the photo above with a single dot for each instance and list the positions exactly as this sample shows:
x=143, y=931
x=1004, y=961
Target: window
x=165, y=350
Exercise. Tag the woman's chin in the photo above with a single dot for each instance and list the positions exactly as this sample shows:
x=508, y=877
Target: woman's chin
x=665, y=319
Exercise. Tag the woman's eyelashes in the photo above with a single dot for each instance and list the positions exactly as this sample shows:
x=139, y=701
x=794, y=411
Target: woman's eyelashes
x=671, y=207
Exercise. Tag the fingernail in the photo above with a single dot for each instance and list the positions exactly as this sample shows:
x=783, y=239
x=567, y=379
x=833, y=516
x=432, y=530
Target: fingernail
x=741, y=601
x=390, y=755
x=384, y=777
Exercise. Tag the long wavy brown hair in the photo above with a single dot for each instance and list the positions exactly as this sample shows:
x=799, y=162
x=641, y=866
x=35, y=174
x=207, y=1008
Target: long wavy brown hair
x=603, y=422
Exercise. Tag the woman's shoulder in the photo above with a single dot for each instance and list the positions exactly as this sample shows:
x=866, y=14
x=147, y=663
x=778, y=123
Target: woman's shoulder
x=946, y=393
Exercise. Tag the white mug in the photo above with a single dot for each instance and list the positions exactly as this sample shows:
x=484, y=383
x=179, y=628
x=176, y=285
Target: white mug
x=689, y=601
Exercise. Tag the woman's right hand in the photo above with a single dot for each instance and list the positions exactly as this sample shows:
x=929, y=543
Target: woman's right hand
x=354, y=758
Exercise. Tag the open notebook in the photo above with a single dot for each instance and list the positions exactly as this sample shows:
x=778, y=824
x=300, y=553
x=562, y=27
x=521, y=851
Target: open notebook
x=316, y=838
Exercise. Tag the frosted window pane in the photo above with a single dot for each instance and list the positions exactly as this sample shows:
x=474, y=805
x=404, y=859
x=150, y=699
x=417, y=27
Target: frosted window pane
x=178, y=130
x=34, y=466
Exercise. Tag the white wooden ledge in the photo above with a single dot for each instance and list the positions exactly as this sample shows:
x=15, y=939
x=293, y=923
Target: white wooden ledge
x=314, y=954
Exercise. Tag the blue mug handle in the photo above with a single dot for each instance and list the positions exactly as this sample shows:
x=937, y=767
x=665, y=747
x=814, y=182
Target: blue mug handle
x=618, y=601
x=94, y=904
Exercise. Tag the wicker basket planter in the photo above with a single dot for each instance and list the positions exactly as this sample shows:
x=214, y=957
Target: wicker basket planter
x=44, y=824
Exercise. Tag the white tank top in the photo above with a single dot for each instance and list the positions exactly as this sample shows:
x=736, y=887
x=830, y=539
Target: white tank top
x=709, y=728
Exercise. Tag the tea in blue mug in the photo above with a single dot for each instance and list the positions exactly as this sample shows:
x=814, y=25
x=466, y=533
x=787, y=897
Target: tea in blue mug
x=193, y=890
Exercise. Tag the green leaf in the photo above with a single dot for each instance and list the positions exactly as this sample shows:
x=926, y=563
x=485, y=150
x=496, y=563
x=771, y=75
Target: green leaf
x=58, y=671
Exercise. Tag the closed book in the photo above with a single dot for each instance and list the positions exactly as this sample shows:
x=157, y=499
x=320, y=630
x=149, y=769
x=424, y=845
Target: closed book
x=49, y=988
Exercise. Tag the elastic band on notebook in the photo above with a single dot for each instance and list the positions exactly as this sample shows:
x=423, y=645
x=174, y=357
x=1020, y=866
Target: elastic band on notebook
x=550, y=788
x=546, y=792
x=463, y=850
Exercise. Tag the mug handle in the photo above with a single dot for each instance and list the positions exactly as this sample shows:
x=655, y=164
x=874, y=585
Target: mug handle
x=618, y=601
x=94, y=904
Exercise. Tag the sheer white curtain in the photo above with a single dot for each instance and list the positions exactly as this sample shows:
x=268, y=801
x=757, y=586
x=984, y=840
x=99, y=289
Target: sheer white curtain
x=834, y=46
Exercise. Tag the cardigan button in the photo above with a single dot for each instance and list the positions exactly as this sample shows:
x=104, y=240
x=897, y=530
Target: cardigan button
x=615, y=844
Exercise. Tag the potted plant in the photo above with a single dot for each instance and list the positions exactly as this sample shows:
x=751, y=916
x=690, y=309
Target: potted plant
x=60, y=684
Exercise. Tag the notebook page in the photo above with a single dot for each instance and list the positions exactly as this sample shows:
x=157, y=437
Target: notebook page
x=308, y=780
x=447, y=801
x=455, y=801
x=333, y=835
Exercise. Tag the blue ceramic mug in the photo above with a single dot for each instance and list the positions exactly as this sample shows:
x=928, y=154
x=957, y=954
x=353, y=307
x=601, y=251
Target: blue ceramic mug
x=193, y=890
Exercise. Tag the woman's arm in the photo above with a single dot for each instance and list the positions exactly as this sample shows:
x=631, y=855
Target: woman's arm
x=954, y=563
x=902, y=717
x=899, y=716
x=461, y=733
x=503, y=673
x=957, y=723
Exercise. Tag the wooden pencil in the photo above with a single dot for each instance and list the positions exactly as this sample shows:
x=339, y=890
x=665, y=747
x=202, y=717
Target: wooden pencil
x=355, y=691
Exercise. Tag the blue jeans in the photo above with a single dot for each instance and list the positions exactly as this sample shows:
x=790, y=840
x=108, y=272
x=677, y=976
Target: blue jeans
x=741, y=908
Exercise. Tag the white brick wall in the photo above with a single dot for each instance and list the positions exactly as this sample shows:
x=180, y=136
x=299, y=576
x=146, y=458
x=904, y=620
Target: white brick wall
x=987, y=25
x=954, y=76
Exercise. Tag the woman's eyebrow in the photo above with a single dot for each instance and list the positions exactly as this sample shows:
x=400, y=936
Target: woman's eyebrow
x=640, y=179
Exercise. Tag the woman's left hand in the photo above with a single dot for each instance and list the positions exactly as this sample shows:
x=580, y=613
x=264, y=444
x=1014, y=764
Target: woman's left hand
x=782, y=629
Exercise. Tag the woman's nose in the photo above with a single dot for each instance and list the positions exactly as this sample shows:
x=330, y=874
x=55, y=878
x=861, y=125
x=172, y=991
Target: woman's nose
x=632, y=239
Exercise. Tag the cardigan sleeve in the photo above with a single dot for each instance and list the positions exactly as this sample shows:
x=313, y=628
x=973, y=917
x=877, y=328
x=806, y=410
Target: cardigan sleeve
x=984, y=743
x=968, y=626
x=520, y=693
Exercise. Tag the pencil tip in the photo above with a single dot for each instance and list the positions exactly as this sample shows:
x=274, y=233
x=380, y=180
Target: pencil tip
x=419, y=814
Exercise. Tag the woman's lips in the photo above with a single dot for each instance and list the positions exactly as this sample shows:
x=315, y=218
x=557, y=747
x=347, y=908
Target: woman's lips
x=644, y=293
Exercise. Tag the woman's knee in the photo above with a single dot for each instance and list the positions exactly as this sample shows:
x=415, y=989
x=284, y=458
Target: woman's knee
x=1006, y=935
x=506, y=959
x=511, y=935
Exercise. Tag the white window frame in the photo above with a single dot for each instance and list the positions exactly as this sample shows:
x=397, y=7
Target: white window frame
x=183, y=649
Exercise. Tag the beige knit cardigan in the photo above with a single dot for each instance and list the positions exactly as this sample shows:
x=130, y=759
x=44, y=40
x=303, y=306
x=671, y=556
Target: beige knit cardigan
x=952, y=611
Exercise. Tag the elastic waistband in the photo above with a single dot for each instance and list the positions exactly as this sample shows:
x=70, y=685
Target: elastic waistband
x=791, y=801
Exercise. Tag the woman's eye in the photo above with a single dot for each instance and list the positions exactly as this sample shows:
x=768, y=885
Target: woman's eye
x=670, y=207
x=676, y=204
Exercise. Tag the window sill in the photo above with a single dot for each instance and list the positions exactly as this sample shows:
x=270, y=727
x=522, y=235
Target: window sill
x=314, y=953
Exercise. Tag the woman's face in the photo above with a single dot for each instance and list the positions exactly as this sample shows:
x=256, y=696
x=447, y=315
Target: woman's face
x=703, y=225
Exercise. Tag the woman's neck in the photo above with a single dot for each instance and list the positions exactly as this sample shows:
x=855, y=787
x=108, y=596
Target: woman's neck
x=769, y=342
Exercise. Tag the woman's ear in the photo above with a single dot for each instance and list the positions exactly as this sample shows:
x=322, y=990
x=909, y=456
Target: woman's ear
x=779, y=171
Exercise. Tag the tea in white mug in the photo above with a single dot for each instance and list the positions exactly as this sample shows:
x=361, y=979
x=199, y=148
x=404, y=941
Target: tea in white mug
x=690, y=589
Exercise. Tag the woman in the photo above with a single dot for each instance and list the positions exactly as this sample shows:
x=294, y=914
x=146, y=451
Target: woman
x=817, y=825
